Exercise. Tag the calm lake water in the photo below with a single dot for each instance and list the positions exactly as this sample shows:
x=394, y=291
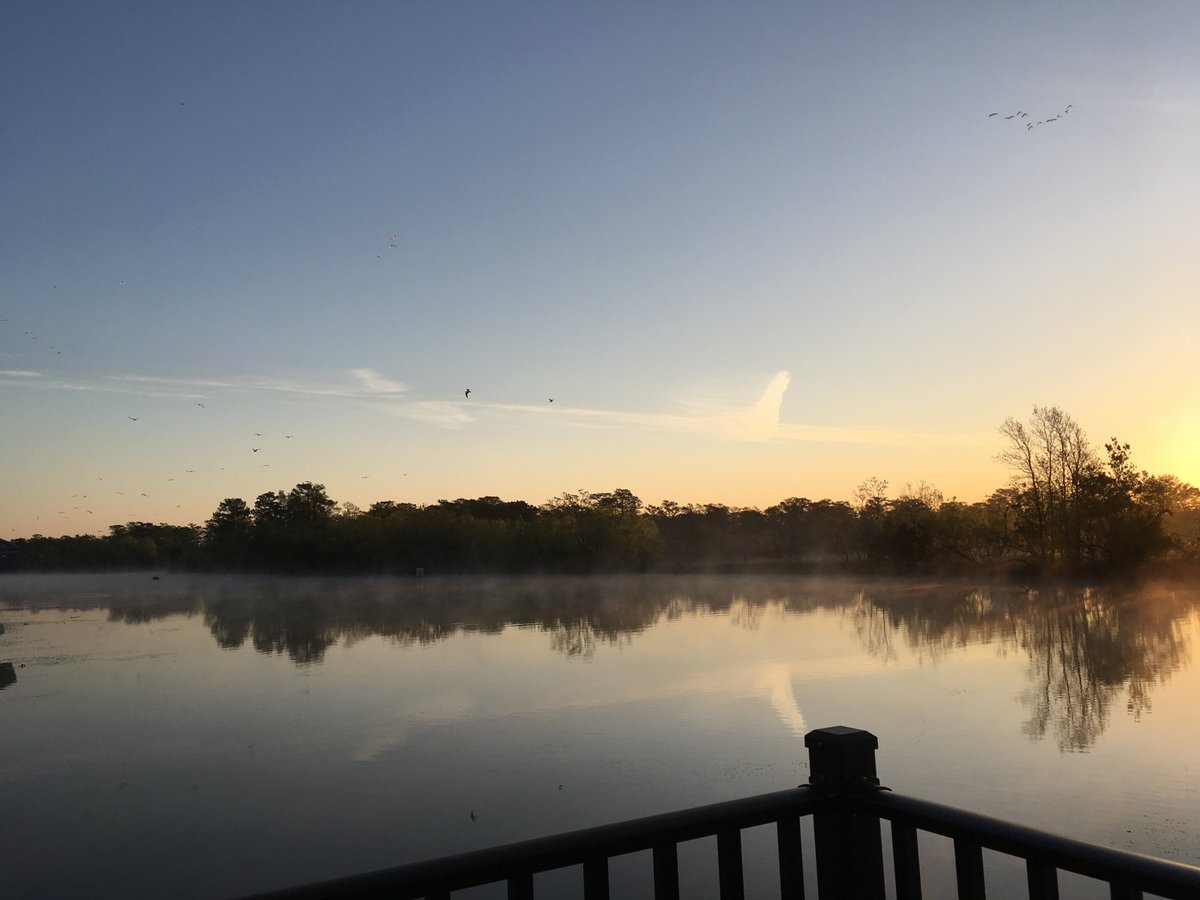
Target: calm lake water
x=209, y=737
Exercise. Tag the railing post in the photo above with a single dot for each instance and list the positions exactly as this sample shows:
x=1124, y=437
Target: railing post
x=848, y=844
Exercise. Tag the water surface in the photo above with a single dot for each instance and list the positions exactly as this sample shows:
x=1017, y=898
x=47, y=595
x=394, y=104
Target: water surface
x=202, y=736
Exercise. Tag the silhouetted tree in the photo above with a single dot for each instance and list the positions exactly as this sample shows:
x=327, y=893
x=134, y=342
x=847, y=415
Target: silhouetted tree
x=1183, y=523
x=270, y=511
x=308, y=506
x=228, y=532
x=1123, y=512
x=1050, y=458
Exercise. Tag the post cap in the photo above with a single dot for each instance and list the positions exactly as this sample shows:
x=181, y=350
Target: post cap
x=840, y=735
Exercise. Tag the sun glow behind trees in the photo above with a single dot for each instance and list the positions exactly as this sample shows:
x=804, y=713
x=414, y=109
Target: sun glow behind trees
x=1068, y=510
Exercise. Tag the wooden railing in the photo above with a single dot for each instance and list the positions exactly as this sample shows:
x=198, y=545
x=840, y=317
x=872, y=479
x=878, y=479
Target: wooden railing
x=847, y=804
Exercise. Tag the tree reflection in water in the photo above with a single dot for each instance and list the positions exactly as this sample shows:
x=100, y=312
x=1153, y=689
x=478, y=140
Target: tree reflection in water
x=1085, y=652
x=1087, y=648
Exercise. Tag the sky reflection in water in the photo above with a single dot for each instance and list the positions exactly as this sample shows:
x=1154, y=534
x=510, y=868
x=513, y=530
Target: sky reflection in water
x=209, y=736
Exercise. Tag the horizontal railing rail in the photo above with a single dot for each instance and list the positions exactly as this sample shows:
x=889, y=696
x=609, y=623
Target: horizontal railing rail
x=1128, y=874
x=592, y=848
x=847, y=805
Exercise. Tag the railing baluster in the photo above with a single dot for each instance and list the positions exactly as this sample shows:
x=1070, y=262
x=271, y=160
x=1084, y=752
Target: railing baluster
x=906, y=860
x=666, y=872
x=968, y=867
x=595, y=878
x=1123, y=892
x=520, y=887
x=729, y=864
x=1043, y=879
x=791, y=858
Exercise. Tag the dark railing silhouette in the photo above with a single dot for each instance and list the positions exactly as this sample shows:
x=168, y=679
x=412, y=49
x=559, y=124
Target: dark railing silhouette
x=847, y=805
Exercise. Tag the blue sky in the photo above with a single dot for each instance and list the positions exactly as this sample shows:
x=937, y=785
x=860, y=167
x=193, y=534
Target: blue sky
x=751, y=253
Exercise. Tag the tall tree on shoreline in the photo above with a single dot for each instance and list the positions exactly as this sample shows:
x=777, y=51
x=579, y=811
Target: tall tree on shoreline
x=1050, y=458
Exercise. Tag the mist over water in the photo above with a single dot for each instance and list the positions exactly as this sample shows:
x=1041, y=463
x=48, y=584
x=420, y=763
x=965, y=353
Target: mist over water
x=210, y=736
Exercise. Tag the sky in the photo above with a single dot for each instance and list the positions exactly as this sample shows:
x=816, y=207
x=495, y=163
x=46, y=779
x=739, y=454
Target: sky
x=709, y=252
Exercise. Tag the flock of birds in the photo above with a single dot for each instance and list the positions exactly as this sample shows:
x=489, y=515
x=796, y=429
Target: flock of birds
x=1021, y=116
x=32, y=339
x=392, y=239
x=256, y=444
x=179, y=474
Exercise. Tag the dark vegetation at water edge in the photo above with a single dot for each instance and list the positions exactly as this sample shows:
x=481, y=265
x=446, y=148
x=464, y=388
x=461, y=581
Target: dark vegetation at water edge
x=1068, y=510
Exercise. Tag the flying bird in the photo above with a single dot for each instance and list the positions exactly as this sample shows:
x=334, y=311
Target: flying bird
x=992, y=114
x=253, y=449
x=467, y=393
x=202, y=406
x=1006, y=118
x=132, y=418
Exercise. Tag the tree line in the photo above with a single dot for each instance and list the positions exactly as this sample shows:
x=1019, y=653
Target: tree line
x=1068, y=509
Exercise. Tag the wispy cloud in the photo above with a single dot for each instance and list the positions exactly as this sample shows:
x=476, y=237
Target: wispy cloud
x=755, y=420
x=724, y=418
x=763, y=420
x=189, y=383
x=374, y=383
x=39, y=381
x=445, y=413
x=189, y=386
x=759, y=421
